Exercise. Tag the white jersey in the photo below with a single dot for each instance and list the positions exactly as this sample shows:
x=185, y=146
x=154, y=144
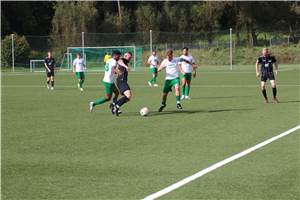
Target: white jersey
x=109, y=68
x=153, y=60
x=186, y=67
x=79, y=64
x=171, y=68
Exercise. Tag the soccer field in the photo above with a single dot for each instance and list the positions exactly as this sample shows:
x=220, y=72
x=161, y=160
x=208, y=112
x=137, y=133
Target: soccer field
x=54, y=148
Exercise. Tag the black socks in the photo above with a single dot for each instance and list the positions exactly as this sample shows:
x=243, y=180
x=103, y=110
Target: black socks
x=121, y=101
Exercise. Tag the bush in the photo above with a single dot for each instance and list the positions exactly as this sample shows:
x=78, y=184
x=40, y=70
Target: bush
x=21, y=50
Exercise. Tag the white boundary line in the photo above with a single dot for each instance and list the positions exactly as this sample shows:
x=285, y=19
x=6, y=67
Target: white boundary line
x=146, y=86
x=217, y=165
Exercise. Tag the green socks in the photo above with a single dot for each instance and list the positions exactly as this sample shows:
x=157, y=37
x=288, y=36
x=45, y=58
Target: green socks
x=153, y=80
x=81, y=83
x=178, y=99
x=183, y=90
x=100, y=101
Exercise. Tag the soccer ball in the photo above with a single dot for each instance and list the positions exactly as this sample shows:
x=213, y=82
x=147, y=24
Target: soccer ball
x=144, y=111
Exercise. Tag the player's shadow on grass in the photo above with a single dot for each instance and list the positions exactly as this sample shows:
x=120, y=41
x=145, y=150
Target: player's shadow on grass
x=292, y=101
x=170, y=112
x=222, y=97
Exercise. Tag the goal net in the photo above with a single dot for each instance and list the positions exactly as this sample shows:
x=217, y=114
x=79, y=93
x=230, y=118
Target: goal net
x=37, y=66
x=94, y=56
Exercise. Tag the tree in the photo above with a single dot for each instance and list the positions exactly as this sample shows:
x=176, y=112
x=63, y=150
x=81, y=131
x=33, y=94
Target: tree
x=21, y=50
x=147, y=18
x=70, y=19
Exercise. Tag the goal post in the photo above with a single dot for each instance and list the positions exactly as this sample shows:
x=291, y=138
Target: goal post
x=37, y=65
x=94, y=56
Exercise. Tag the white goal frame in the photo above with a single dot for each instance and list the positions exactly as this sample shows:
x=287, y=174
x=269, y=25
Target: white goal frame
x=102, y=47
x=32, y=65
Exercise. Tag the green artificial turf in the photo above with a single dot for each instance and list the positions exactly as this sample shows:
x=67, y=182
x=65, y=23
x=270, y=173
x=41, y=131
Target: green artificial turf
x=54, y=148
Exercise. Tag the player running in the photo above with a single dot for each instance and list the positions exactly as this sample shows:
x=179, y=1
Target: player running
x=186, y=67
x=153, y=62
x=108, y=82
x=50, y=67
x=122, y=78
x=79, y=68
x=172, y=79
x=266, y=62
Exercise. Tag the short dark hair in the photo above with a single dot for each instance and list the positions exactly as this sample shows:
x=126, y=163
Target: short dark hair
x=116, y=52
x=128, y=52
x=185, y=48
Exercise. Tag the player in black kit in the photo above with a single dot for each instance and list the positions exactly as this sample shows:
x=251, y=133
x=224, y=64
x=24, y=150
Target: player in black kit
x=50, y=66
x=266, y=62
x=122, y=77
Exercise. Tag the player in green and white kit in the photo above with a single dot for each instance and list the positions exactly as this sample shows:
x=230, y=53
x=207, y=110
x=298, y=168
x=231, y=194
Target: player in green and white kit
x=108, y=81
x=172, y=79
x=79, y=68
x=186, y=67
x=153, y=62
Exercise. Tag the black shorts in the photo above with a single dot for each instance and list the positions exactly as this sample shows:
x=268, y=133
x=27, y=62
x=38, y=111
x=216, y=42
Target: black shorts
x=265, y=77
x=49, y=74
x=123, y=86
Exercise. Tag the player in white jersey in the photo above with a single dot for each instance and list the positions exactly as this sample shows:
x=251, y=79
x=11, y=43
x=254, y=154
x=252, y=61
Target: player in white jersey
x=108, y=81
x=78, y=69
x=153, y=62
x=172, y=79
x=187, y=66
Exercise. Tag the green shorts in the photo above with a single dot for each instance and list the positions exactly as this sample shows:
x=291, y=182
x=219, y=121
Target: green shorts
x=169, y=84
x=187, y=76
x=153, y=70
x=80, y=75
x=109, y=88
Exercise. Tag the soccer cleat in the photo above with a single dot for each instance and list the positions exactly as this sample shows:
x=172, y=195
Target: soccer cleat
x=182, y=97
x=187, y=98
x=91, y=104
x=112, y=108
x=161, y=107
x=81, y=89
x=116, y=110
x=48, y=87
x=275, y=100
x=52, y=88
x=155, y=85
x=149, y=83
x=179, y=106
x=266, y=100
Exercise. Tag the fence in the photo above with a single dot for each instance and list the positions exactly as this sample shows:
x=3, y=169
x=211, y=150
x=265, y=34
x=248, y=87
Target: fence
x=211, y=48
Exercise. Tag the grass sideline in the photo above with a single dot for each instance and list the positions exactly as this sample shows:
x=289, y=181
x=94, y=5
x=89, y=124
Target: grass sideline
x=53, y=148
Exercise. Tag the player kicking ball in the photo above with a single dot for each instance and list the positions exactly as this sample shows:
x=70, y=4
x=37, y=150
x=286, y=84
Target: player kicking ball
x=266, y=62
x=153, y=62
x=172, y=79
x=122, y=78
x=78, y=69
x=186, y=67
x=108, y=82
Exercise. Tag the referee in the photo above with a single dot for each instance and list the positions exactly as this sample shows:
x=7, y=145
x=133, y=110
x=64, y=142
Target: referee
x=266, y=62
x=50, y=66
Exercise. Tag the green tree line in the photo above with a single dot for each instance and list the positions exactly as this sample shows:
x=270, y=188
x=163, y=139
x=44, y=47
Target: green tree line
x=34, y=18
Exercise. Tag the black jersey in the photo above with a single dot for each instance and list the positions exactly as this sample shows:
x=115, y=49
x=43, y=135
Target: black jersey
x=123, y=75
x=266, y=64
x=50, y=62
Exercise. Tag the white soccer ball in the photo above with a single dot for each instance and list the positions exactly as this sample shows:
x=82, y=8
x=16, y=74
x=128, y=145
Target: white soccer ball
x=144, y=111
